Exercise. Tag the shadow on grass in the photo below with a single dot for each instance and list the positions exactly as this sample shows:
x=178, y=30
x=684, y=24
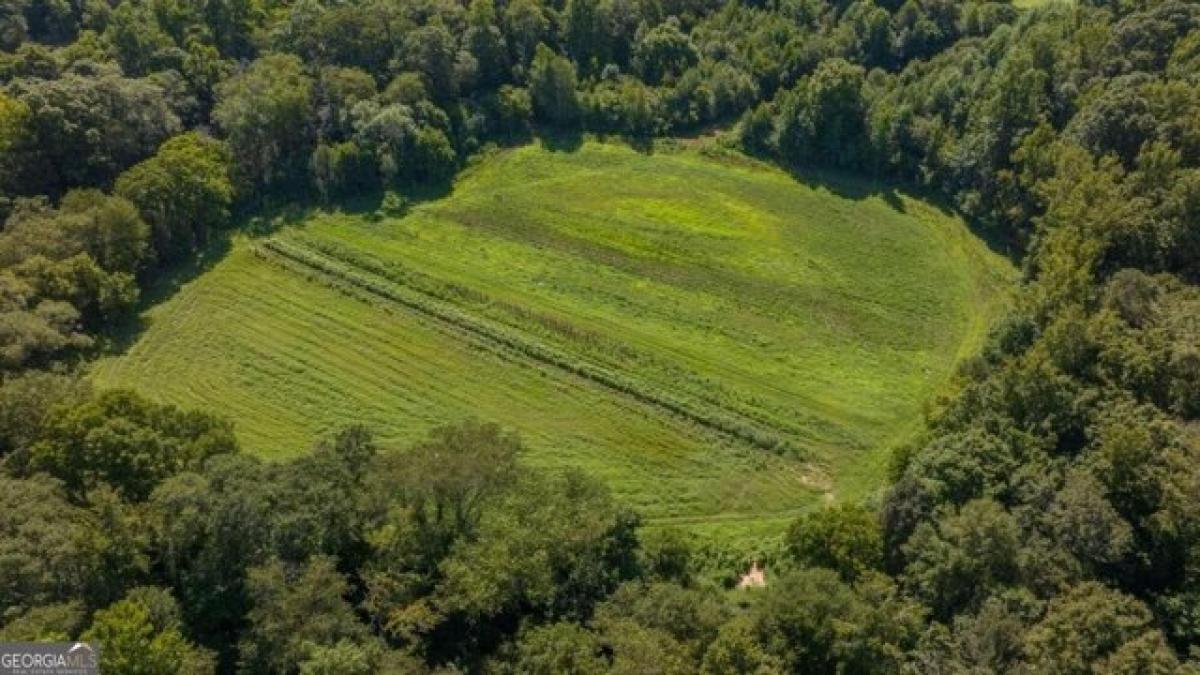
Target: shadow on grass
x=269, y=214
x=852, y=186
x=166, y=283
x=859, y=186
x=274, y=214
x=560, y=140
x=258, y=218
x=1008, y=244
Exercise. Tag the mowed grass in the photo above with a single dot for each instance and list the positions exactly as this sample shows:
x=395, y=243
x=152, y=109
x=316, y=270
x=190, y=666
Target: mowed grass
x=722, y=344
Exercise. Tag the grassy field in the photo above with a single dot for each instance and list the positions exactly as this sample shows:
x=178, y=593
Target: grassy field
x=722, y=344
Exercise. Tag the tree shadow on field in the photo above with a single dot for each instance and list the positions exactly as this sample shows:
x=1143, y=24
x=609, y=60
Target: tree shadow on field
x=256, y=219
x=859, y=186
x=166, y=283
x=273, y=216
x=560, y=140
x=852, y=186
x=844, y=183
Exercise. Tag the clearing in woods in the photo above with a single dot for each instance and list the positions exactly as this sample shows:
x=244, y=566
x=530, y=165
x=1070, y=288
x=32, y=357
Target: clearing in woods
x=721, y=343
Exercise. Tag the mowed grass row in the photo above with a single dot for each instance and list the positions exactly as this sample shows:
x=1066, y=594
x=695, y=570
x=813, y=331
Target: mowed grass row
x=292, y=359
x=823, y=315
x=826, y=314
x=379, y=285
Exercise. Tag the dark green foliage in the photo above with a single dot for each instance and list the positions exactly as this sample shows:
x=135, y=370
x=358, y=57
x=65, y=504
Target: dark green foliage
x=57, y=552
x=555, y=546
x=486, y=43
x=552, y=87
x=844, y=538
x=406, y=143
x=756, y=131
x=1091, y=625
x=1044, y=521
x=990, y=640
x=341, y=170
x=126, y=442
x=209, y=529
x=737, y=649
x=812, y=622
x=322, y=508
x=339, y=90
x=624, y=106
x=437, y=495
x=407, y=88
x=526, y=25
x=14, y=26
x=430, y=51
x=664, y=52
x=560, y=648
x=689, y=618
x=141, y=635
x=88, y=126
x=265, y=112
x=235, y=513
x=184, y=192
x=65, y=270
x=292, y=612
x=140, y=44
x=639, y=649
x=667, y=555
x=513, y=108
x=585, y=33
x=822, y=120
x=963, y=557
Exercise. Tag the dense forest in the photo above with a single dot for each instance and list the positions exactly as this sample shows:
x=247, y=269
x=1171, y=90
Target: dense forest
x=1045, y=522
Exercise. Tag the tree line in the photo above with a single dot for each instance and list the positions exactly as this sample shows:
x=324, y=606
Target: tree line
x=1044, y=521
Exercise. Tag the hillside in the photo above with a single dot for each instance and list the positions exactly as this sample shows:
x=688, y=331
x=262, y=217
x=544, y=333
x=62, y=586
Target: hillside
x=718, y=341
x=392, y=337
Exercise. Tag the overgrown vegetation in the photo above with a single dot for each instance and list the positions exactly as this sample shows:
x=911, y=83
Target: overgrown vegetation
x=1043, y=521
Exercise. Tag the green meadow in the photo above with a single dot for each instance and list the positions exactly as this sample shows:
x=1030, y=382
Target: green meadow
x=723, y=343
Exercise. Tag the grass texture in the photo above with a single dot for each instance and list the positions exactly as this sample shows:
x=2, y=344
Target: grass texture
x=722, y=343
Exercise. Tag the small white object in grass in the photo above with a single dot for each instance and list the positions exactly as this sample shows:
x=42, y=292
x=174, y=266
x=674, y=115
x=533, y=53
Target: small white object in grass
x=755, y=578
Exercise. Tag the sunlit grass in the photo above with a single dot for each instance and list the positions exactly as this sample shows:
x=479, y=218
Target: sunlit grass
x=820, y=315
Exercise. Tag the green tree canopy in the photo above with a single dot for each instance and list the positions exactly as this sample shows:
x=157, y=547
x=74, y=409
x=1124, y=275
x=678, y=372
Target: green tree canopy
x=184, y=192
x=265, y=113
x=122, y=440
